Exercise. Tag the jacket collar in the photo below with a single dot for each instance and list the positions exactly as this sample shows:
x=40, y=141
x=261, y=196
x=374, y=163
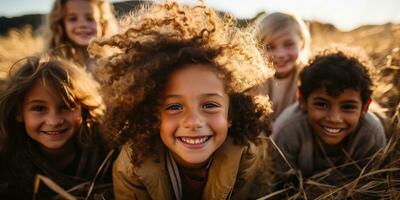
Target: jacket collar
x=221, y=176
x=223, y=171
x=154, y=176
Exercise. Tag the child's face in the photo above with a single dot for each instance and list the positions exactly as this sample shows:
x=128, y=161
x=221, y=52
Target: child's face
x=333, y=118
x=81, y=21
x=194, y=114
x=284, y=51
x=48, y=120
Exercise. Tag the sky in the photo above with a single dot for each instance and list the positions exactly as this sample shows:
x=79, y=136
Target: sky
x=344, y=14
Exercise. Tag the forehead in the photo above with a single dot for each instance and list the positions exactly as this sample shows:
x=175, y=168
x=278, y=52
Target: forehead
x=194, y=78
x=288, y=33
x=347, y=95
x=42, y=91
x=80, y=6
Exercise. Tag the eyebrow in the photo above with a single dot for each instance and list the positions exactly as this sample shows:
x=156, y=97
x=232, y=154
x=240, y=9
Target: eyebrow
x=346, y=101
x=35, y=101
x=203, y=95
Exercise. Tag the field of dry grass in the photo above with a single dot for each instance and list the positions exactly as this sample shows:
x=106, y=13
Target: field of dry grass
x=18, y=44
x=381, y=178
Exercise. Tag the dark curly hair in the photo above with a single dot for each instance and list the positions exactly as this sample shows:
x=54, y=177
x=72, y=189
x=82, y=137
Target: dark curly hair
x=160, y=39
x=337, y=69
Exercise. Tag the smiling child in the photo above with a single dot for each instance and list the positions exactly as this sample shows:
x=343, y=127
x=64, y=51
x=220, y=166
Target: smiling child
x=177, y=96
x=49, y=125
x=73, y=23
x=331, y=124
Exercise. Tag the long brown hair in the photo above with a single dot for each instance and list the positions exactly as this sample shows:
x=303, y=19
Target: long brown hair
x=73, y=83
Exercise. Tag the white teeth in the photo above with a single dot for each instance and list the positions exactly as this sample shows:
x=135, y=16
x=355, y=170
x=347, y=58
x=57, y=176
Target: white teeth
x=332, y=130
x=52, y=132
x=194, y=140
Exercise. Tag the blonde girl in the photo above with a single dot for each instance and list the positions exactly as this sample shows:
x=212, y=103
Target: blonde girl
x=176, y=92
x=285, y=39
x=73, y=23
x=50, y=111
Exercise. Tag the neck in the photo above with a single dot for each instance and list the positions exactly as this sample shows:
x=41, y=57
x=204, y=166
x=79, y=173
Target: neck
x=62, y=157
x=187, y=165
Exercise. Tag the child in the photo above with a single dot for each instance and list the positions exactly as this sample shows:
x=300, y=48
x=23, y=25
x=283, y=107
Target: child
x=286, y=40
x=73, y=23
x=50, y=110
x=176, y=91
x=331, y=124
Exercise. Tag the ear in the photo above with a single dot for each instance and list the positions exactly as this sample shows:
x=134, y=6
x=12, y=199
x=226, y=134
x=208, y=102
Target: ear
x=301, y=100
x=366, y=106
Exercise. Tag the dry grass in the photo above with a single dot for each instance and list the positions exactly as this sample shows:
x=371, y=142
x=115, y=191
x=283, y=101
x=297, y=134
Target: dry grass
x=380, y=179
x=15, y=45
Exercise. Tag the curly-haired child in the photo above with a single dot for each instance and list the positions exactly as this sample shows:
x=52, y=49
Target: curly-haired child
x=176, y=91
x=330, y=125
x=286, y=41
x=73, y=23
x=49, y=126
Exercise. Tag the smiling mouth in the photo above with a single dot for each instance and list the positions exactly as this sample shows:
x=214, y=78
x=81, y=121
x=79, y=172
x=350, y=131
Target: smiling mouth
x=332, y=131
x=57, y=132
x=194, y=140
x=85, y=34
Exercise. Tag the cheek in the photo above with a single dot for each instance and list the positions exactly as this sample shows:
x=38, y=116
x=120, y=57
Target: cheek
x=219, y=124
x=76, y=118
x=353, y=120
x=294, y=53
x=166, y=125
x=67, y=27
x=314, y=115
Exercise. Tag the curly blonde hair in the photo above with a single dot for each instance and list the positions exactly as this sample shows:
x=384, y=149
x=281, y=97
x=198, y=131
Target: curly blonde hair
x=57, y=37
x=158, y=40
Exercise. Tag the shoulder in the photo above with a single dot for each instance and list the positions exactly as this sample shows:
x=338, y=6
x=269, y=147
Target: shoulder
x=123, y=163
x=372, y=128
x=148, y=166
x=291, y=121
x=262, y=88
x=370, y=124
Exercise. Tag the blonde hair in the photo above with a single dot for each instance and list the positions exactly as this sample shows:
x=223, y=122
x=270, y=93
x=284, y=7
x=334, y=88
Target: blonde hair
x=271, y=26
x=57, y=38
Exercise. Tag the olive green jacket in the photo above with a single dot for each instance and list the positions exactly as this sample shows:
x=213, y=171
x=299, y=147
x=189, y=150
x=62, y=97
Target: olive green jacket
x=232, y=175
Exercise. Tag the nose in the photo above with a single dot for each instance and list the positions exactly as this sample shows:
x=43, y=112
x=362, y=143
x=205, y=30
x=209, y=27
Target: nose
x=334, y=116
x=55, y=119
x=82, y=22
x=192, y=120
x=279, y=52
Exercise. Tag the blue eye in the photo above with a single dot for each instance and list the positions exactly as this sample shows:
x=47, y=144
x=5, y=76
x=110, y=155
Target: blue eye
x=210, y=105
x=174, y=107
